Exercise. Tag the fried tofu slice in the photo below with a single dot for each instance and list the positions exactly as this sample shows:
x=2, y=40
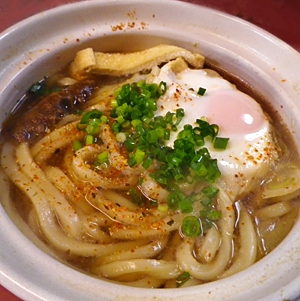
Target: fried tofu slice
x=87, y=62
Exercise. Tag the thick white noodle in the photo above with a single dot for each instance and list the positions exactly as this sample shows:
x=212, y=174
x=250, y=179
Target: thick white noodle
x=65, y=213
x=33, y=223
x=285, y=185
x=47, y=219
x=170, y=251
x=73, y=194
x=146, y=282
x=116, y=160
x=274, y=210
x=110, y=203
x=118, y=213
x=57, y=139
x=67, y=120
x=95, y=226
x=149, y=250
x=8, y=204
x=160, y=227
x=153, y=190
x=210, y=245
x=5, y=197
x=120, y=200
x=158, y=268
x=246, y=254
x=210, y=271
x=101, y=219
x=96, y=178
x=103, y=96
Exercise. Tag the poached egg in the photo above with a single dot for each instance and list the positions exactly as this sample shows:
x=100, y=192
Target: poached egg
x=251, y=148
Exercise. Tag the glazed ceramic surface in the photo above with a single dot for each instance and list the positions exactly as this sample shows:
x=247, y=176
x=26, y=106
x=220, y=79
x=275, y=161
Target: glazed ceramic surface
x=46, y=42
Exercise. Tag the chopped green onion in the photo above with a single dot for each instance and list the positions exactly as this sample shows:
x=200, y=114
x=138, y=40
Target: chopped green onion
x=89, y=139
x=104, y=119
x=36, y=88
x=201, y=91
x=163, y=207
x=126, y=125
x=135, y=196
x=147, y=163
x=102, y=157
x=210, y=191
x=114, y=103
x=210, y=214
x=94, y=114
x=185, y=206
x=116, y=127
x=167, y=134
x=146, y=119
x=131, y=161
x=191, y=226
x=160, y=177
x=120, y=119
x=77, y=145
x=130, y=144
x=121, y=137
x=152, y=136
x=93, y=126
x=183, y=278
x=206, y=201
x=135, y=122
x=173, y=200
x=136, y=158
x=137, y=100
x=160, y=131
x=214, y=215
x=90, y=123
x=140, y=129
x=221, y=143
x=42, y=89
x=162, y=88
x=81, y=127
x=139, y=156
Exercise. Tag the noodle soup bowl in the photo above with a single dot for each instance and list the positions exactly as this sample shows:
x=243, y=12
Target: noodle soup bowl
x=45, y=43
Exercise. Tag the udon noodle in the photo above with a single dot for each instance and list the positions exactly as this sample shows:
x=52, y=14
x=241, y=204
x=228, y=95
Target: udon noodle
x=100, y=203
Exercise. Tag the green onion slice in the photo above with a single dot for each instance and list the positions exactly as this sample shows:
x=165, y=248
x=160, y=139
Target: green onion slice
x=221, y=143
x=183, y=278
x=201, y=91
x=191, y=226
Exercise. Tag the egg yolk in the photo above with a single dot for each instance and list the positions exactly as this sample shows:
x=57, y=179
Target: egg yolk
x=235, y=113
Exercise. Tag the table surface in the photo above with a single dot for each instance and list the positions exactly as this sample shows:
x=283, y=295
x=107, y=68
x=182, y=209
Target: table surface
x=279, y=17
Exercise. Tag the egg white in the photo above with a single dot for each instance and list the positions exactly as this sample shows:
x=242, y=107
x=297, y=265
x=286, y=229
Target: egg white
x=240, y=118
